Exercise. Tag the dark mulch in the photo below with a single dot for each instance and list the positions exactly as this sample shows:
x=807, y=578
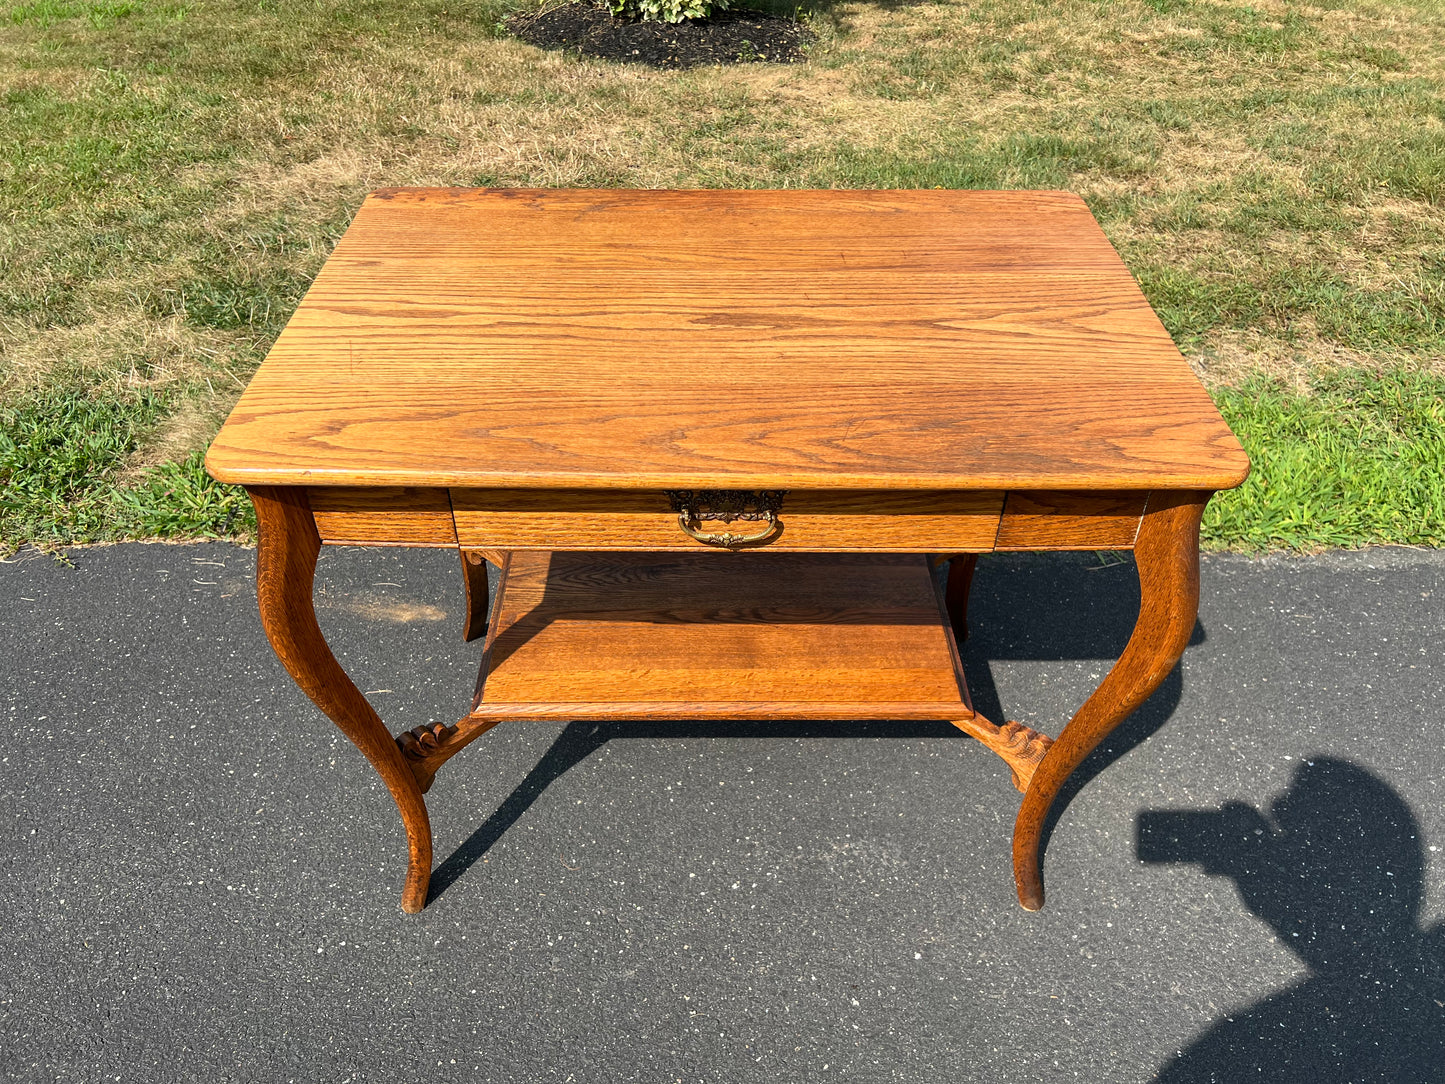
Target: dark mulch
x=726, y=37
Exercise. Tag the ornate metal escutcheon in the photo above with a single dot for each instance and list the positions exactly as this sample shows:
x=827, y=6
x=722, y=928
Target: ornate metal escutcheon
x=697, y=506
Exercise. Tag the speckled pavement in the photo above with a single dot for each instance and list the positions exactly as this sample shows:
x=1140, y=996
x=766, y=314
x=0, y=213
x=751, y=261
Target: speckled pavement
x=200, y=876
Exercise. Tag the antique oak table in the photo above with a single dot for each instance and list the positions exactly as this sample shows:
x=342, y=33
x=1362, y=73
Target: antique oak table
x=717, y=442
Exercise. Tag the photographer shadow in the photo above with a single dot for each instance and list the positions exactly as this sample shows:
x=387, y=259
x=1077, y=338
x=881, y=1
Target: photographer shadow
x=1335, y=866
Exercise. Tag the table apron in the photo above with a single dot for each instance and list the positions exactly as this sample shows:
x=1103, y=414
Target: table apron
x=812, y=521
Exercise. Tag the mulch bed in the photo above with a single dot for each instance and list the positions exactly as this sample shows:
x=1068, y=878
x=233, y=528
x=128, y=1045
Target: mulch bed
x=725, y=37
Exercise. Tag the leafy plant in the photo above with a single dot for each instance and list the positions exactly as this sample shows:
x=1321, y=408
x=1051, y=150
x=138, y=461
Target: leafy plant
x=665, y=11
x=748, y=53
x=180, y=500
x=60, y=450
x=62, y=454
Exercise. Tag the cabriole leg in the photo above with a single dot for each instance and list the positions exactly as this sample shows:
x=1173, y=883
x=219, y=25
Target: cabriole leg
x=285, y=570
x=1166, y=554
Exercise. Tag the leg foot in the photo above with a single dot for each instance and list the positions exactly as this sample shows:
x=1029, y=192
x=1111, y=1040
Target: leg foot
x=1166, y=554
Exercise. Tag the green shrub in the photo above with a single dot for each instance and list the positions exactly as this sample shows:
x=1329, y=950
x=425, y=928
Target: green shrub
x=665, y=11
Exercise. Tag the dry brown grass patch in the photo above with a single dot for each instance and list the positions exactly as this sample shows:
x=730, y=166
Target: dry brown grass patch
x=116, y=352
x=1229, y=357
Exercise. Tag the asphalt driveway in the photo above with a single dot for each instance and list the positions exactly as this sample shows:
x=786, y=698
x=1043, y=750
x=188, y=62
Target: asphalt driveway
x=199, y=876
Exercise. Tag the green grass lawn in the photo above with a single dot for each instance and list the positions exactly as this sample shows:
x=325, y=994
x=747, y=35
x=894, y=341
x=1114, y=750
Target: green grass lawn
x=172, y=174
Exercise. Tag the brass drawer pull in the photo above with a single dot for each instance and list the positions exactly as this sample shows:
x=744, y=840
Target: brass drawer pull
x=697, y=506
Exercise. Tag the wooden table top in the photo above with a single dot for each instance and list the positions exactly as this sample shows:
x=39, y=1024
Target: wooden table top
x=726, y=339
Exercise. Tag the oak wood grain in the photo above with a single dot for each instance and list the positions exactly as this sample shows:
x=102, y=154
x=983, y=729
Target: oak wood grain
x=1166, y=554
x=704, y=635
x=877, y=521
x=1070, y=521
x=383, y=516
x=722, y=710
x=802, y=340
x=1021, y=747
x=286, y=553
x=601, y=346
x=427, y=748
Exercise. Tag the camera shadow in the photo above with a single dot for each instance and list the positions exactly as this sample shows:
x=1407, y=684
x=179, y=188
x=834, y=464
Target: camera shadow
x=1336, y=867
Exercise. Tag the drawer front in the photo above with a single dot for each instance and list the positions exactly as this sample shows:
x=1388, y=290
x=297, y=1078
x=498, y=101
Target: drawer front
x=1071, y=521
x=383, y=516
x=812, y=521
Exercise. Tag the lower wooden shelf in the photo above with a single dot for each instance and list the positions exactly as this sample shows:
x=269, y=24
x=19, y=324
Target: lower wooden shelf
x=610, y=636
x=719, y=636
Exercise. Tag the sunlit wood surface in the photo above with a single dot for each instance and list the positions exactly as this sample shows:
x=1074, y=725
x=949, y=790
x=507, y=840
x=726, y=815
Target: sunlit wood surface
x=789, y=339
x=717, y=635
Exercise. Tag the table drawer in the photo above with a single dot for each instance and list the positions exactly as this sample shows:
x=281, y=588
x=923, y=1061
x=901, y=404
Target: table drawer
x=811, y=521
x=383, y=516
